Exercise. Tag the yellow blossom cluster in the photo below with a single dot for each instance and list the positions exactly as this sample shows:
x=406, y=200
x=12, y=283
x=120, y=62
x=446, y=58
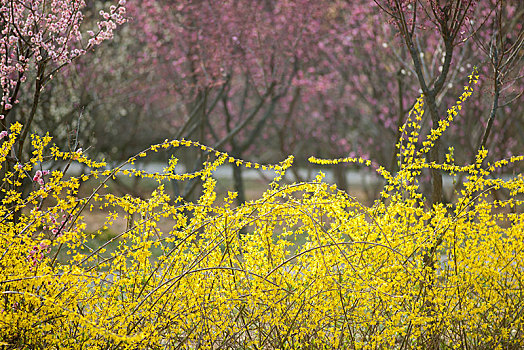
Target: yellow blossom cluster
x=453, y=112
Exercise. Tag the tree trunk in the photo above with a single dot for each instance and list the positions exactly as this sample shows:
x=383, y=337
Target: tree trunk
x=238, y=181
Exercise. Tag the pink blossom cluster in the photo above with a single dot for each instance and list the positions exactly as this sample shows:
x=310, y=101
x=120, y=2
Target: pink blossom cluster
x=111, y=19
x=36, y=254
x=39, y=176
x=55, y=225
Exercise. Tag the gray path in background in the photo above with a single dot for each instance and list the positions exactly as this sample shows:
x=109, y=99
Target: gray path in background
x=354, y=178
x=226, y=172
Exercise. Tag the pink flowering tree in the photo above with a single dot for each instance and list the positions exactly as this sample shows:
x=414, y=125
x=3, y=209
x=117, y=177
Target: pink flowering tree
x=346, y=94
x=37, y=40
x=98, y=103
x=444, y=27
x=501, y=41
x=228, y=65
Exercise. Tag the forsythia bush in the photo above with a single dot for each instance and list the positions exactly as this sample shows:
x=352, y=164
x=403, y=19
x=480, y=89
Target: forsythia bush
x=396, y=275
